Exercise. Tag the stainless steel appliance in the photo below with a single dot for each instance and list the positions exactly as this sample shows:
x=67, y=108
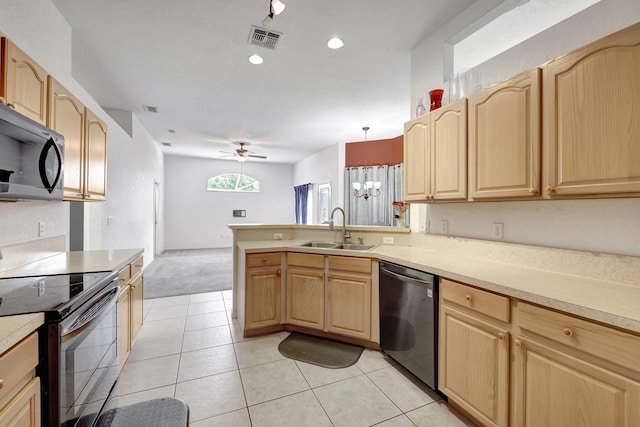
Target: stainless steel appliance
x=31, y=158
x=409, y=320
x=78, y=342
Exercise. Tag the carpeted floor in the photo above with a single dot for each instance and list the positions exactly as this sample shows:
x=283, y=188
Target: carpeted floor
x=188, y=272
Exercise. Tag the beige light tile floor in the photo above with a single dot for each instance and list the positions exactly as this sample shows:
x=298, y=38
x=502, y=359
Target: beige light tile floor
x=191, y=349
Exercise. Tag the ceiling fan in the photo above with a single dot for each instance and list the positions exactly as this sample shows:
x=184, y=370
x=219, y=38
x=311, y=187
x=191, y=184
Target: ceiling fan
x=242, y=153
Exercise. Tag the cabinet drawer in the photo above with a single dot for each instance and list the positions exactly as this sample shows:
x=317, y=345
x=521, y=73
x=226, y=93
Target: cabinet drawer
x=260, y=260
x=305, y=260
x=345, y=263
x=136, y=266
x=17, y=362
x=123, y=276
x=610, y=344
x=492, y=305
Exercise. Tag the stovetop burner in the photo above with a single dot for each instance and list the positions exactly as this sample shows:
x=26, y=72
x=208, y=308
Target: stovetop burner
x=53, y=295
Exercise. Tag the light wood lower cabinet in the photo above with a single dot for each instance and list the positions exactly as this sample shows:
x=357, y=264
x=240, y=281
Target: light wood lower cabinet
x=553, y=388
x=130, y=306
x=263, y=282
x=474, y=354
x=547, y=368
x=349, y=304
x=305, y=290
x=124, y=325
x=19, y=387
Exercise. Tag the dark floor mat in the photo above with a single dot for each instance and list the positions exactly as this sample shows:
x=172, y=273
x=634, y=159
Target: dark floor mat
x=320, y=351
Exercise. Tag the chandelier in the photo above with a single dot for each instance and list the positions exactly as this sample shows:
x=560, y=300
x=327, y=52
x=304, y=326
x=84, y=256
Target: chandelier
x=370, y=188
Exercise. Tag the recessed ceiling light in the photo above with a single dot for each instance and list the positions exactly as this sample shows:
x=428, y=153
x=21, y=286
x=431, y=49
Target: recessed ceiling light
x=335, y=43
x=256, y=59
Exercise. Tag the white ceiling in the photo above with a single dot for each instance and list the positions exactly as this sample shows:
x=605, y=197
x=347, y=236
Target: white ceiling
x=189, y=59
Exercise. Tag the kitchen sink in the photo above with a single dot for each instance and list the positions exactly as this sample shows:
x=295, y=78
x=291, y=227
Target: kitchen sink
x=328, y=245
x=355, y=247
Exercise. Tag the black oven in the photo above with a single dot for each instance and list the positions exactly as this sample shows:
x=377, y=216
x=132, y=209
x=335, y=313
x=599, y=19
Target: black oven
x=78, y=342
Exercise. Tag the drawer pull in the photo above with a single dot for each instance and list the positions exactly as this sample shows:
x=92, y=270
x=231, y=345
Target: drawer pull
x=138, y=265
x=468, y=298
x=518, y=343
x=279, y=272
x=501, y=337
x=122, y=279
x=549, y=189
x=1, y=384
x=568, y=332
x=264, y=260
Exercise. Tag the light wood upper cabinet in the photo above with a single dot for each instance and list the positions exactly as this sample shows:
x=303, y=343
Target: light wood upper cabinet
x=504, y=139
x=66, y=115
x=592, y=118
x=417, y=160
x=24, y=83
x=96, y=157
x=449, y=151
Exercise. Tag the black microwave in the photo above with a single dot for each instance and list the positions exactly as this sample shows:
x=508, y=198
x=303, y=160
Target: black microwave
x=31, y=159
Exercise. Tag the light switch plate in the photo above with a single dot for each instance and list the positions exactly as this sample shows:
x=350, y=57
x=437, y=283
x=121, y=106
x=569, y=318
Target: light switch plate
x=387, y=240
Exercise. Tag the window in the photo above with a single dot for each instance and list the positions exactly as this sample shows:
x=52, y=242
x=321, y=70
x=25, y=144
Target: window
x=233, y=181
x=510, y=23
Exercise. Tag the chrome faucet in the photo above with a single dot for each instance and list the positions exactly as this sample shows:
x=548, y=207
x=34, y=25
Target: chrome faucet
x=345, y=234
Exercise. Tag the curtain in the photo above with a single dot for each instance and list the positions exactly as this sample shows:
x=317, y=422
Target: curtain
x=375, y=210
x=302, y=194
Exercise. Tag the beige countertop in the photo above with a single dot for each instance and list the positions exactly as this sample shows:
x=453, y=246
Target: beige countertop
x=76, y=262
x=607, y=302
x=15, y=328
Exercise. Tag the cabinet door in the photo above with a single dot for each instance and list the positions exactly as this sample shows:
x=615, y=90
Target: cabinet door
x=417, y=166
x=24, y=409
x=24, y=83
x=66, y=116
x=262, y=302
x=504, y=139
x=592, y=118
x=555, y=389
x=305, y=298
x=449, y=151
x=137, y=307
x=474, y=366
x=349, y=305
x=124, y=324
x=96, y=157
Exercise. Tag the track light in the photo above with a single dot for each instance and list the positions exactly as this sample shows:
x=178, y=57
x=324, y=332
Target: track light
x=277, y=6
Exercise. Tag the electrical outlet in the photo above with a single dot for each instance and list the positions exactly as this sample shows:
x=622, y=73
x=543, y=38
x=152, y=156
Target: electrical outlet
x=497, y=230
x=444, y=226
x=278, y=236
x=387, y=240
x=109, y=220
x=40, y=229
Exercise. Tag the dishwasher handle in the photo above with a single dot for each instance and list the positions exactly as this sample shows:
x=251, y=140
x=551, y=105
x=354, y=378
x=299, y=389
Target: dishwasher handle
x=413, y=280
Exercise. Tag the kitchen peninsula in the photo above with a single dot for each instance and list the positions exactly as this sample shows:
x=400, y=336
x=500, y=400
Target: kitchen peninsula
x=541, y=324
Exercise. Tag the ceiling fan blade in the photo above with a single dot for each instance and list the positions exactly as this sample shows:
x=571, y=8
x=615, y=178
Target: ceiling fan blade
x=227, y=152
x=256, y=156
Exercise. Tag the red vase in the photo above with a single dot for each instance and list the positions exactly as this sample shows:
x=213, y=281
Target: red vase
x=436, y=98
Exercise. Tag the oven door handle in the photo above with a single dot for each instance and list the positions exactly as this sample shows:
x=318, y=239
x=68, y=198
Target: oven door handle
x=404, y=278
x=97, y=307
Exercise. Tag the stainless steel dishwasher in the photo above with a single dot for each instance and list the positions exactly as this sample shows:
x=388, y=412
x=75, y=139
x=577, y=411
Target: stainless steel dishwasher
x=409, y=319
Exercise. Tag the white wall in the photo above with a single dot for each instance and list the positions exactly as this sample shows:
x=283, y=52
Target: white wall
x=197, y=218
x=320, y=168
x=606, y=225
x=37, y=27
x=127, y=215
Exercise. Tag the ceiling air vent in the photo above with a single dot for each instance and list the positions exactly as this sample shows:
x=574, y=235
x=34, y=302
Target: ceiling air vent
x=263, y=37
x=150, y=109
x=166, y=144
